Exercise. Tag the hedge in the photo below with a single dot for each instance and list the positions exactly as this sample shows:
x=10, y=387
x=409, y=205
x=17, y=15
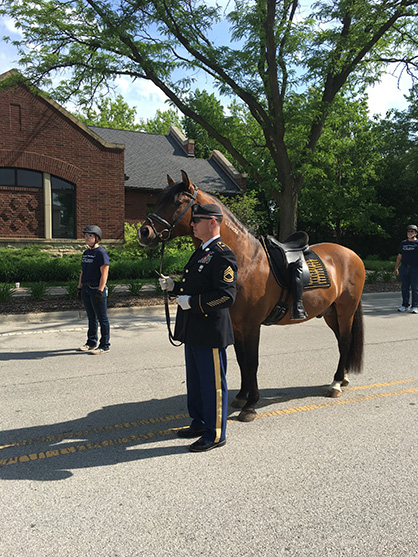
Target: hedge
x=34, y=265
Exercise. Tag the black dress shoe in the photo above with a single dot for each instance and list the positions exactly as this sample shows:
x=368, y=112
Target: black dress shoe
x=189, y=433
x=202, y=445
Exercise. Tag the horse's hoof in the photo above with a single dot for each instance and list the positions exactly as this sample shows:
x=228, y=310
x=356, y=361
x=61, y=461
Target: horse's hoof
x=334, y=393
x=238, y=402
x=345, y=382
x=247, y=415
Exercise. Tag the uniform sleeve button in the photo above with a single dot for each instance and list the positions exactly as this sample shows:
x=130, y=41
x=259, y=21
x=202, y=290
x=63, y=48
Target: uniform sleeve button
x=181, y=289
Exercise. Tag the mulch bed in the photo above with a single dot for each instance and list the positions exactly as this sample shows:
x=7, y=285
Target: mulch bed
x=60, y=303
x=21, y=305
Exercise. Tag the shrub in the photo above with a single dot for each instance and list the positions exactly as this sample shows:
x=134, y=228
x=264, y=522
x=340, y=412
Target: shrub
x=6, y=292
x=372, y=277
x=34, y=265
x=375, y=265
x=111, y=289
x=38, y=290
x=388, y=276
x=72, y=290
x=134, y=287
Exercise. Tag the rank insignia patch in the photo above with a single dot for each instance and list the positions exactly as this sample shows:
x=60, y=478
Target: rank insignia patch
x=229, y=274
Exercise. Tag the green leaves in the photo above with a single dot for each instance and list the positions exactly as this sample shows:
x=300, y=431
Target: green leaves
x=284, y=65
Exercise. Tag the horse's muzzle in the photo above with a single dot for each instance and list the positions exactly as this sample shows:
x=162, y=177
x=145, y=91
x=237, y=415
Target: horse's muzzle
x=147, y=237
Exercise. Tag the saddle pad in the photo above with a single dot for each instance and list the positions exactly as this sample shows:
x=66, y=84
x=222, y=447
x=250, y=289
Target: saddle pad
x=318, y=274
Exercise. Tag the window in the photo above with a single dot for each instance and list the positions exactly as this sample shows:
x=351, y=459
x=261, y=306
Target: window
x=63, y=208
x=20, y=177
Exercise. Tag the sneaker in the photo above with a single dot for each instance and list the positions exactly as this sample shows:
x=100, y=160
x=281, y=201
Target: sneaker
x=99, y=350
x=402, y=308
x=86, y=348
x=414, y=310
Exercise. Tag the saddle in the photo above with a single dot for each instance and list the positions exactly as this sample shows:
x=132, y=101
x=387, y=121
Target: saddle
x=282, y=255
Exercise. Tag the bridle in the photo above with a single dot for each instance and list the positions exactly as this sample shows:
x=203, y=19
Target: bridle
x=164, y=236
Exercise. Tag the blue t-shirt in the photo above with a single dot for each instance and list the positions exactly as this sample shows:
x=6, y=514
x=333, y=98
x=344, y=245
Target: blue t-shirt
x=91, y=262
x=409, y=251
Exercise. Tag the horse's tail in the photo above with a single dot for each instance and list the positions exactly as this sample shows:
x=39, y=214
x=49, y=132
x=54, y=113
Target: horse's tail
x=354, y=362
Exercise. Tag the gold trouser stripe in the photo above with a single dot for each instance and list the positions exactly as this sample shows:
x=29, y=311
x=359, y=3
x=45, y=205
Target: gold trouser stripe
x=218, y=387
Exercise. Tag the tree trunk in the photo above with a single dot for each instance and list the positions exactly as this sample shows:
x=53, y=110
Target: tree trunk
x=288, y=209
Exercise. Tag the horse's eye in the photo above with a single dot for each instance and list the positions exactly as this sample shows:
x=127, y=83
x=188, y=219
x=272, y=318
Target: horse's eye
x=178, y=202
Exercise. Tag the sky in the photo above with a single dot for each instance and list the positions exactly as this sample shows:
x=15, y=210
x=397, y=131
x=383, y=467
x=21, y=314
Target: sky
x=147, y=98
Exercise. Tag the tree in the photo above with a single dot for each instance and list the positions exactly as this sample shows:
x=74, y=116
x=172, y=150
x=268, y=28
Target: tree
x=277, y=55
x=210, y=108
x=161, y=123
x=397, y=181
x=340, y=193
x=115, y=114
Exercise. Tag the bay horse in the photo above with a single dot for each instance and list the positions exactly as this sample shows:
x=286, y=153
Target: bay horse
x=258, y=291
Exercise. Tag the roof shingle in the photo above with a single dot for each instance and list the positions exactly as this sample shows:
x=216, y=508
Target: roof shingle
x=150, y=157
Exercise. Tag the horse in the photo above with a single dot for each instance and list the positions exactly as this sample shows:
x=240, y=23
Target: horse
x=258, y=290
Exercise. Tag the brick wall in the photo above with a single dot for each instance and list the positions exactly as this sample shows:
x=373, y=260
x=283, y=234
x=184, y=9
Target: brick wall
x=138, y=205
x=37, y=134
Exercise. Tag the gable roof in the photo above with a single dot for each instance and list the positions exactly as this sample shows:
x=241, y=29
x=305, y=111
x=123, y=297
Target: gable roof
x=150, y=157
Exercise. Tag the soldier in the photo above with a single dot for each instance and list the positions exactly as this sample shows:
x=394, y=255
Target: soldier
x=204, y=295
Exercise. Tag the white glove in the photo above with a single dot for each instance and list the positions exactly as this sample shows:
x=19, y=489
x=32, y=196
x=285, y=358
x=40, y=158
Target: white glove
x=183, y=302
x=166, y=283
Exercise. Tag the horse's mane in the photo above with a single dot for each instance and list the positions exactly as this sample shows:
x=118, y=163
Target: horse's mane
x=169, y=193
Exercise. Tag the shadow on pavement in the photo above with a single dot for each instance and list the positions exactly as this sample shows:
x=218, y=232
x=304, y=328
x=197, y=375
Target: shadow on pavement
x=111, y=435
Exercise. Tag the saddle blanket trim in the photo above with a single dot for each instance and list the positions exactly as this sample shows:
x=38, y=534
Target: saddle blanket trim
x=318, y=273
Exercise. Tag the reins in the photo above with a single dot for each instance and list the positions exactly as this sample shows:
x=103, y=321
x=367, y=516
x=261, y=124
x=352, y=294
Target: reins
x=164, y=236
x=166, y=307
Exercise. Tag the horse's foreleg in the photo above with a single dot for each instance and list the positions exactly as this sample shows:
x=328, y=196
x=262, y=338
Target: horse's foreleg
x=246, y=349
x=241, y=398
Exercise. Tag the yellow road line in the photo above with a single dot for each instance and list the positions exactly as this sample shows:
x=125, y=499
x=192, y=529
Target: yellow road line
x=58, y=437
x=335, y=402
x=31, y=457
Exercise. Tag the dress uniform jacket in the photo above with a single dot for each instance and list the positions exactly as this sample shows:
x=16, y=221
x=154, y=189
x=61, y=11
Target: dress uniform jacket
x=209, y=278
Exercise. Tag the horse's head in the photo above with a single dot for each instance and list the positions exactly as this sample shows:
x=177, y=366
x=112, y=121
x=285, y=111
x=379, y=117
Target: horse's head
x=173, y=214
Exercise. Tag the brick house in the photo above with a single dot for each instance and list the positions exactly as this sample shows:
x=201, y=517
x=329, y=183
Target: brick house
x=57, y=175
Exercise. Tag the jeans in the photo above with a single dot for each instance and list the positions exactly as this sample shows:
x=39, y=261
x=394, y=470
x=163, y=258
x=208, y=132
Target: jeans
x=409, y=282
x=96, y=313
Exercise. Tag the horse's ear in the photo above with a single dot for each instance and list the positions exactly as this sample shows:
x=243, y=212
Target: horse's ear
x=186, y=180
x=170, y=180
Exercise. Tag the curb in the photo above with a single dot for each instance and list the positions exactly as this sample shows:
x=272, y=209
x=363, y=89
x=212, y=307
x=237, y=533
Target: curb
x=80, y=315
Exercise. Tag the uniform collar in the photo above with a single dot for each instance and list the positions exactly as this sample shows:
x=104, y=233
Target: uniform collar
x=205, y=245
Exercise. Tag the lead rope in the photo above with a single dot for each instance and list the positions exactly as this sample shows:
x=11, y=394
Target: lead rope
x=167, y=310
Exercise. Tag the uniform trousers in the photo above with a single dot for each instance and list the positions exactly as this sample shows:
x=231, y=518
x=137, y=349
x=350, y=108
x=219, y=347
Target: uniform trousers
x=409, y=283
x=207, y=391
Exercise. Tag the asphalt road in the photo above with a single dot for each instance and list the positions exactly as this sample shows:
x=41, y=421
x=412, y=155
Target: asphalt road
x=90, y=464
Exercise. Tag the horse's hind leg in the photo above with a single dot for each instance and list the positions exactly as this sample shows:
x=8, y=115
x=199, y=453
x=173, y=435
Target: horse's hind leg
x=344, y=342
x=246, y=350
